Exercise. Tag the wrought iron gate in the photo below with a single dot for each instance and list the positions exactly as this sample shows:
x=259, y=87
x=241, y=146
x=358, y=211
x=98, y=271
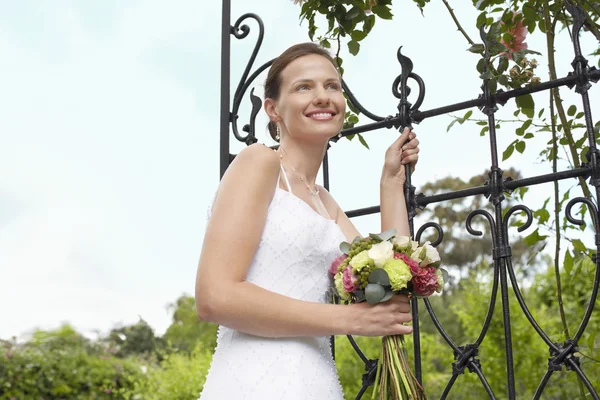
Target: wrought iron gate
x=561, y=354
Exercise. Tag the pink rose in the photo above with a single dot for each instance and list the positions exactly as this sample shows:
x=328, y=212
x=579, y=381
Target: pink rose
x=350, y=281
x=426, y=284
x=414, y=266
x=333, y=269
x=518, y=33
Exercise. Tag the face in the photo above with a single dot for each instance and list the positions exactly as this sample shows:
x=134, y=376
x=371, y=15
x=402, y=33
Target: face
x=310, y=103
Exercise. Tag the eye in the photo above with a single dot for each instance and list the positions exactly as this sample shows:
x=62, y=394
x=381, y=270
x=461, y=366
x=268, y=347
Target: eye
x=333, y=86
x=302, y=87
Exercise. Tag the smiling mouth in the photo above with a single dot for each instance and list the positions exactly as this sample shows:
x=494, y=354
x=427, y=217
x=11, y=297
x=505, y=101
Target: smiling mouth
x=321, y=116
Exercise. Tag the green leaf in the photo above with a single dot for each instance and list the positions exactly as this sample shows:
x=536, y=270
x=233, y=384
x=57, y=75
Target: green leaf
x=345, y=247
x=353, y=47
x=451, y=124
x=520, y=146
x=484, y=130
x=534, y=237
x=358, y=35
x=383, y=236
x=502, y=65
x=476, y=48
x=526, y=104
x=542, y=215
x=541, y=113
x=368, y=24
x=508, y=152
x=379, y=276
x=591, y=340
x=382, y=12
x=572, y=110
x=354, y=12
x=445, y=275
x=363, y=141
x=467, y=115
x=388, y=295
x=529, y=12
x=529, y=135
x=568, y=263
x=578, y=245
x=374, y=293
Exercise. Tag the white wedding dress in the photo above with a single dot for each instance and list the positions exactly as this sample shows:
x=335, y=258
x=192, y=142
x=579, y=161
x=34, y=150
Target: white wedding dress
x=295, y=251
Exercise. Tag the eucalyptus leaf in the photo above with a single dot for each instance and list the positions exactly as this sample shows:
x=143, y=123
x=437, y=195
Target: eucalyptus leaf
x=388, y=295
x=357, y=239
x=345, y=247
x=379, y=276
x=359, y=294
x=445, y=275
x=374, y=293
x=390, y=233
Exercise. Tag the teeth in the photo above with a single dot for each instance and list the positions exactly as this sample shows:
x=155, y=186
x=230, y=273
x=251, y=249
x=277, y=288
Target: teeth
x=321, y=115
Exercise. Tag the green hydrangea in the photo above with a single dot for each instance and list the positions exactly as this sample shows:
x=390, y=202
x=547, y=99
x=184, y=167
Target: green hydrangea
x=360, y=261
x=339, y=285
x=398, y=272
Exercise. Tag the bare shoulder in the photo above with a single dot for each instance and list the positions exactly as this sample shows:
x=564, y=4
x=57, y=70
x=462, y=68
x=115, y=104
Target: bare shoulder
x=256, y=164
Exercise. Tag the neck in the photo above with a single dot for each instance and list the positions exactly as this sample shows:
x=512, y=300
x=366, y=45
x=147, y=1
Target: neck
x=304, y=157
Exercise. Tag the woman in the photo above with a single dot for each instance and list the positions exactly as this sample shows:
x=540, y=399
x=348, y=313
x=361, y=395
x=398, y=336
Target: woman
x=271, y=237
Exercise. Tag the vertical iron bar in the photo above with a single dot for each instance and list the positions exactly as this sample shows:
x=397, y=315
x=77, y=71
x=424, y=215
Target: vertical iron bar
x=225, y=86
x=410, y=205
x=501, y=242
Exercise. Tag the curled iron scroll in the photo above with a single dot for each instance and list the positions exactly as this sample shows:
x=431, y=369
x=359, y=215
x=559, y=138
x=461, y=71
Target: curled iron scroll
x=434, y=225
x=401, y=81
x=490, y=219
x=579, y=222
x=240, y=32
x=511, y=211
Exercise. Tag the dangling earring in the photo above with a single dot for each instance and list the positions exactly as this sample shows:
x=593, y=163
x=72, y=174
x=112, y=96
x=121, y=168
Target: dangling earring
x=339, y=135
x=278, y=132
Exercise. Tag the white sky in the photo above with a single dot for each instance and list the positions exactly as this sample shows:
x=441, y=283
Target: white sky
x=109, y=124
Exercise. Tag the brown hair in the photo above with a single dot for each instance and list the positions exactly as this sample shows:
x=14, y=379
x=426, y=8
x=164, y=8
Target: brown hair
x=273, y=81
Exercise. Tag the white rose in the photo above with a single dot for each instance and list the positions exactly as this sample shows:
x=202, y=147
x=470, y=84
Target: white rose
x=403, y=242
x=431, y=255
x=415, y=245
x=416, y=254
x=381, y=252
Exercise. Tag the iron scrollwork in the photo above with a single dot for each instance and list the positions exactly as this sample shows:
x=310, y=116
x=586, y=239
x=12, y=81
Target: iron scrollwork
x=466, y=356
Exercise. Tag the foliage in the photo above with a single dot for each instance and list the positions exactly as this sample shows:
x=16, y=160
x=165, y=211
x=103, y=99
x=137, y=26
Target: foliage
x=61, y=364
x=180, y=376
x=187, y=330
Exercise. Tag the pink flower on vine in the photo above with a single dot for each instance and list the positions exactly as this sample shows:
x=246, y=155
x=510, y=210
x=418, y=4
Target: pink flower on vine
x=518, y=32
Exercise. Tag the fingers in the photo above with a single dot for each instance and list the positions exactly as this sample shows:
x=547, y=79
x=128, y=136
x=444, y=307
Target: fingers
x=402, y=139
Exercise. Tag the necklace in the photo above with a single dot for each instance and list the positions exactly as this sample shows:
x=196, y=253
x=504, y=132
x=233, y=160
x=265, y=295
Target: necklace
x=310, y=190
x=313, y=192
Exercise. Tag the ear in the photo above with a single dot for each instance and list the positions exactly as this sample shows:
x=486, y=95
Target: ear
x=271, y=110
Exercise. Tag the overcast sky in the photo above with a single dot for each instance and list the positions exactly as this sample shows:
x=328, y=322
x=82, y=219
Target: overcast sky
x=109, y=123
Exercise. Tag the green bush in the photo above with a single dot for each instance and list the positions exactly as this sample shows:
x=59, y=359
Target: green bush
x=180, y=376
x=39, y=372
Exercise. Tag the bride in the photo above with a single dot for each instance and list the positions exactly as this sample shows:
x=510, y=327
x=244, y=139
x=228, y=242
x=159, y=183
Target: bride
x=271, y=237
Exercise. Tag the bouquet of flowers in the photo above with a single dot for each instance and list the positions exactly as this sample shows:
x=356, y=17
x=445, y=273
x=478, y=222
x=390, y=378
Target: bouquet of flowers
x=373, y=269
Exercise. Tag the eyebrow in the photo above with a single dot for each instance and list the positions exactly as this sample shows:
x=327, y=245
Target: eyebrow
x=337, y=80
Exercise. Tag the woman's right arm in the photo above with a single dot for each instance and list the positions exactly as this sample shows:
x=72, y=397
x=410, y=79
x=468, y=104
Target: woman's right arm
x=224, y=297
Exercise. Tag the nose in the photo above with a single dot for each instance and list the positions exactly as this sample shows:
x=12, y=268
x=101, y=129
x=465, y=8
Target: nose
x=321, y=97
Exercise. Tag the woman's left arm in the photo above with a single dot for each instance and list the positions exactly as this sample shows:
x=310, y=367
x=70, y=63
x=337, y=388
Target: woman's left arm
x=393, y=203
